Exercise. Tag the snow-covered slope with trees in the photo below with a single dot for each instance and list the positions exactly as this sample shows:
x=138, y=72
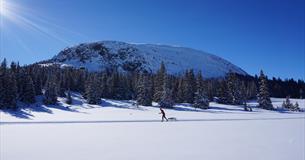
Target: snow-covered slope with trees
x=126, y=56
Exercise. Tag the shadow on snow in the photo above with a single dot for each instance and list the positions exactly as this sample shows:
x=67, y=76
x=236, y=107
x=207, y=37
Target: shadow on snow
x=122, y=104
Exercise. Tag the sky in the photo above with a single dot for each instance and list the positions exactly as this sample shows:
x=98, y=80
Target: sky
x=252, y=34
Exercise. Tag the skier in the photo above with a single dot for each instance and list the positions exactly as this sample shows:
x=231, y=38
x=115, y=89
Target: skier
x=163, y=114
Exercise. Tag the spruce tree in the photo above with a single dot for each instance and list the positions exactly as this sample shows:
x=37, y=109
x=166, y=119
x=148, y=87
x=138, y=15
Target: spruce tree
x=211, y=89
x=244, y=93
x=287, y=104
x=93, y=90
x=13, y=67
x=222, y=93
x=296, y=107
x=230, y=90
x=51, y=90
x=233, y=89
x=27, y=92
x=4, y=64
x=158, y=82
x=189, y=86
x=12, y=91
x=79, y=82
x=263, y=94
x=115, y=89
x=3, y=70
x=104, y=86
x=8, y=88
x=230, y=80
x=38, y=86
x=175, y=89
x=166, y=100
x=180, y=92
x=62, y=86
x=245, y=96
x=200, y=100
x=144, y=90
x=2, y=85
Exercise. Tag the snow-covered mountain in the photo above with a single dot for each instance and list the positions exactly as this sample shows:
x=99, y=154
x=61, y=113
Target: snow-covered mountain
x=126, y=56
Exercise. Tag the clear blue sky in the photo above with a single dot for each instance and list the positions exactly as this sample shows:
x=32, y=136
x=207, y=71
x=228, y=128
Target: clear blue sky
x=253, y=34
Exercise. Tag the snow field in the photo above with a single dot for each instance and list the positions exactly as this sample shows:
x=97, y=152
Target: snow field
x=222, y=132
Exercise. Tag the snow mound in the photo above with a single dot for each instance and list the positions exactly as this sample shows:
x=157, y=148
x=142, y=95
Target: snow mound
x=129, y=57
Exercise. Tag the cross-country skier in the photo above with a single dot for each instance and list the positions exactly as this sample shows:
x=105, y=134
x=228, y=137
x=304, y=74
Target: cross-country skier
x=163, y=114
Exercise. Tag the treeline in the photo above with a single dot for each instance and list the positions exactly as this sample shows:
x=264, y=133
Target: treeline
x=22, y=84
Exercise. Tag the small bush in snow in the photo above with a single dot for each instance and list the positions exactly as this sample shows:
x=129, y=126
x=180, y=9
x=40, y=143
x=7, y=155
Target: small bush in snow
x=289, y=106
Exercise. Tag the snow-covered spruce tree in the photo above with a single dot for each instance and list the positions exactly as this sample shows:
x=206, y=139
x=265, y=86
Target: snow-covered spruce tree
x=290, y=106
x=27, y=93
x=92, y=90
x=296, y=107
x=180, y=92
x=263, y=97
x=158, y=82
x=51, y=90
x=230, y=80
x=287, y=104
x=144, y=90
x=234, y=91
x=189, y=86
x=230, y=91
x=166, y=100
x=200, y=100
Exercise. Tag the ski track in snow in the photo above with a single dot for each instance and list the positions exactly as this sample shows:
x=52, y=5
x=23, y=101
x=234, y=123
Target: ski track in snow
x=141, y=121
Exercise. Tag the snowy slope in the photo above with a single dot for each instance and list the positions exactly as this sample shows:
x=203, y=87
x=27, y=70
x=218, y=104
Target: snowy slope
x=118, y=130
x=126, y=56
x=117, y=110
